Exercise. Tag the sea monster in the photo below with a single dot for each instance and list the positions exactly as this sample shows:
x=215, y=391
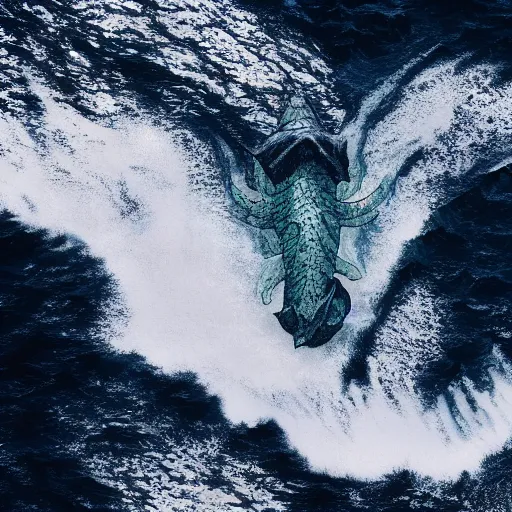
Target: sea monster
x=301, y=182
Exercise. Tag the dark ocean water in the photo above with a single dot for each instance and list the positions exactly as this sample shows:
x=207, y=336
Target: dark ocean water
x=66, y=395
x=84, y=426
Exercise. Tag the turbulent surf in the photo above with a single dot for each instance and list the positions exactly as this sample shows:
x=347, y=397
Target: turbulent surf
x=157, y=184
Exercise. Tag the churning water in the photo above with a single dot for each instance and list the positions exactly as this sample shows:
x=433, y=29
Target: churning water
x=112, y=113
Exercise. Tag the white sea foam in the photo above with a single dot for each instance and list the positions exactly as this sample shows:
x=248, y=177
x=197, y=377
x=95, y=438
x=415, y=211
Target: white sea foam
x=187, y=273
x=180, y=480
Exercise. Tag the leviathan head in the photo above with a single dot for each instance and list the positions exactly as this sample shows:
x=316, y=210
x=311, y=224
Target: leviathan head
x=300, y=138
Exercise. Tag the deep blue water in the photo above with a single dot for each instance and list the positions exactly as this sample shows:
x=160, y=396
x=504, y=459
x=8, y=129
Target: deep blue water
x=52, y=366
x=68, y=398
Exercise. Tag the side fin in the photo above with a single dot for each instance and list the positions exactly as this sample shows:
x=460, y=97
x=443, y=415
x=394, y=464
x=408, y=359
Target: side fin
x=271, y=275
x=344, y=190
x=269, y=243
x=256, y=213
x=347, y=269
x=262, y=181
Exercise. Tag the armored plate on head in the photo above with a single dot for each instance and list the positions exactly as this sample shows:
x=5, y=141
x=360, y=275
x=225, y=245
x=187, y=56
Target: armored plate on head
x=300, y=138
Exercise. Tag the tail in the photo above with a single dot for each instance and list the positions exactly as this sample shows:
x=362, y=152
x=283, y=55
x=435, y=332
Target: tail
x=328, y=319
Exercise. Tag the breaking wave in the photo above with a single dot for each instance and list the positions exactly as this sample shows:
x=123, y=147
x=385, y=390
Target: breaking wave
x=186, y=272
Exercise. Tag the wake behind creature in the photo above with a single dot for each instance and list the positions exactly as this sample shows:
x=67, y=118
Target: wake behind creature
x=301, y=182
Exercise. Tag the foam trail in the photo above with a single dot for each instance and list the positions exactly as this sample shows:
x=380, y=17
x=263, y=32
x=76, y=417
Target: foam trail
x=186, y=271
x=438, y=112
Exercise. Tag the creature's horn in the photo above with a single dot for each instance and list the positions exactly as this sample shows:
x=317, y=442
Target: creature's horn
x=362, y=220
x=363, y=207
